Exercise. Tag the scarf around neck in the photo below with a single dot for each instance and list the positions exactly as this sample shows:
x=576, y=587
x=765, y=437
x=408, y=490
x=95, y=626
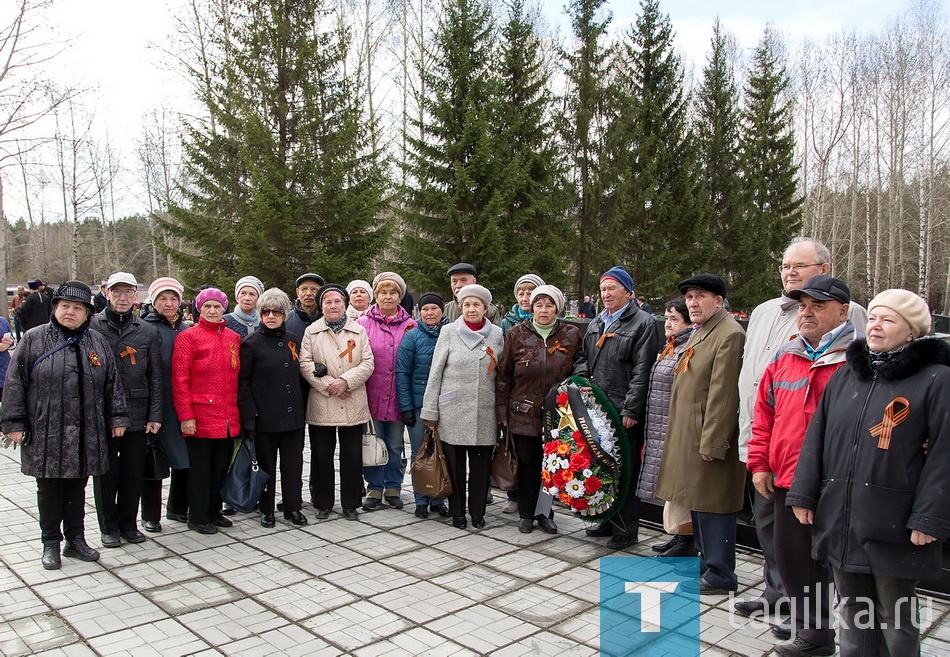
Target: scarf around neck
x=250, y=321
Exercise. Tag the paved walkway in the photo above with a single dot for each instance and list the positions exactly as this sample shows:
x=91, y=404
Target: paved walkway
x=389, y=584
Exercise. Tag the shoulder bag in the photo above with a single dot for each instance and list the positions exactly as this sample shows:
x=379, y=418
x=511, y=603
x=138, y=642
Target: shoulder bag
x=245, y=481
x=504, y=464
x=430, y=472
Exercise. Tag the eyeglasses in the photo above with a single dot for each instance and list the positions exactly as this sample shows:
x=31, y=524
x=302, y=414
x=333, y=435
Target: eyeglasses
x=123, y=293
x=271, y=311
x=798, y=266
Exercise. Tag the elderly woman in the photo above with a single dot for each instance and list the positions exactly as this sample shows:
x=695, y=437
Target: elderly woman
x=872, y=476
x=271, y=405
x=361, y=296
x=205, y=366
x=521, y=311
x=677, y=328
x=336, y=360
x=62, y=400
x=245, y=318
x=386, y=323
x=538, y=355
x=460, y=401
x=166, y=316
x=413, y=361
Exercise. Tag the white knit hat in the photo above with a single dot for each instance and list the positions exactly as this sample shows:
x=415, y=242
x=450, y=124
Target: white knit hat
x=248, y=281
x=908, y=305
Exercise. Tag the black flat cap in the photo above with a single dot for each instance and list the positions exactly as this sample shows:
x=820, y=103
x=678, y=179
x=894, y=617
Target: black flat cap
x=705, y=281
x=310, y=276
x=462, y=268
x=823, y=288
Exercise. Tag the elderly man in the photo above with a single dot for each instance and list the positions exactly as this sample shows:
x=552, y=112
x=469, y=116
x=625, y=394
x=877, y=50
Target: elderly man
x=305, y=311
x=617, y=354
x=460, y=275
x=788, y=395
x=136, y=346
x=701, y=470
x=771, y=325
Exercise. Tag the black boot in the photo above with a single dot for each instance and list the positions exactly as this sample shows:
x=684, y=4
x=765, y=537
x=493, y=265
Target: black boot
x=51, y=560
x=665, y=545
x=80, y=549
x=684, y=547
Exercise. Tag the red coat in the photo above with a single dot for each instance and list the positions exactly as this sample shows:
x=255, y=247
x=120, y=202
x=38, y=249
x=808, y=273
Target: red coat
x=787, y=398
x=205, y=366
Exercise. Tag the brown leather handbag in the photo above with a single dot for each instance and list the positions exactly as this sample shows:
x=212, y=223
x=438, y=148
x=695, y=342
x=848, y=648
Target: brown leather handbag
x=430, y=472
x=504, y=464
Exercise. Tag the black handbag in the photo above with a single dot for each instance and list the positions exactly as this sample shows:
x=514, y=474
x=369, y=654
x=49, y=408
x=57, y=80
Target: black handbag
x=245, y=480
x=156, y=465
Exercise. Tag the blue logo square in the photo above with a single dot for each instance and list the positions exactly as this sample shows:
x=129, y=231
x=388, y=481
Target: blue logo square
x=649, y=607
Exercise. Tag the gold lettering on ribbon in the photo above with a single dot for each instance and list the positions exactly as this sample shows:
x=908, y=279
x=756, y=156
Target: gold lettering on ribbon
x=882, y=431
x=491, y=359
x=130, y=352
x=684, y=364
x=293, y=349
x=603, y=339
x=350, y=346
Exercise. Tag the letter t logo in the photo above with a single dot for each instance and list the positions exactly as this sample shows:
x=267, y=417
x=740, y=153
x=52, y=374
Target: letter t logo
x=650, y=601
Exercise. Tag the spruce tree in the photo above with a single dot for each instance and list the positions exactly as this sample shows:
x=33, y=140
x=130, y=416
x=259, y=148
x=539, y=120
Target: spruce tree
x=282, y=179
x=653, y=185
x=452, y=209
x=581, y=128
x=774, y=209
x=531, y=180
x=717, y=139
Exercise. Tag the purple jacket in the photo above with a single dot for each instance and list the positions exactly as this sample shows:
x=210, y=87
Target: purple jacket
x=385, y=334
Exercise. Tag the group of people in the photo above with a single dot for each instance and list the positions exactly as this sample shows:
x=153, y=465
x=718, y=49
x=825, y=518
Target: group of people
x=839, y=415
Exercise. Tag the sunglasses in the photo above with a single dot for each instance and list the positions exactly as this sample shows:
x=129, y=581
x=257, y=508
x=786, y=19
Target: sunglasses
x=271, y=311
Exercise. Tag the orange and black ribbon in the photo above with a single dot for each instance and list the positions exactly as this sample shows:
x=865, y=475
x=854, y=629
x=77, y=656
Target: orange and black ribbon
x=603, y=338
x=293, y=349
x=233, y=348
x=94, y=359
x=557, y=347
x=892, y=417
x=670, y=348
x=684, y=364
x=491, y=359
x=130, y=352
x=350, y=346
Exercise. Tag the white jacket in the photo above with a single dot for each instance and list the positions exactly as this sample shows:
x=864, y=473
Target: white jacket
x=348, y=356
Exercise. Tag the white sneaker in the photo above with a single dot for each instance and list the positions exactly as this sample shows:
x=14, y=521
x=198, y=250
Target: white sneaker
x=510, y=507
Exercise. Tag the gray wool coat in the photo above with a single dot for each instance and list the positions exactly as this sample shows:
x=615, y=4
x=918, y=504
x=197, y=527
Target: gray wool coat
x=69, y=403
x=460, y=393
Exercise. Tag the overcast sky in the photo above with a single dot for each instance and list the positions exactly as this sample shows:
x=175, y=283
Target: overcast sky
x=115, y=45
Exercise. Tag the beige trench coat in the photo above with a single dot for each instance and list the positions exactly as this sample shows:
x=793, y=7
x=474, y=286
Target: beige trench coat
x=704, y=420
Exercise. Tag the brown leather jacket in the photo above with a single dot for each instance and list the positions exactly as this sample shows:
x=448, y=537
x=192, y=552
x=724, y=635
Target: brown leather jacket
x=529, y=368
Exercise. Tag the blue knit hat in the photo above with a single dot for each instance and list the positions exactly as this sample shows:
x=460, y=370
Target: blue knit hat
x=620, y=275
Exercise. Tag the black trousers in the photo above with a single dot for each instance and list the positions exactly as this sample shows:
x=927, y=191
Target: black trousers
x=878, y=616
x=118, y=491
x=715, y=536
x=289, y=445
x=177, y=496
x=322, y=477
x=530, y=452
x=807, y=582
x=61, y=502
x=152, y=500
x=765, y=531
x=478, y=462
x=209, y=458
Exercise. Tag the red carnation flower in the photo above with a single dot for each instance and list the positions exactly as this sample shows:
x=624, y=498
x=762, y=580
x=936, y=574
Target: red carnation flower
x=580, y=461
x=579, y=504
x=562, y=399
x=551, y=446
x=592, y=485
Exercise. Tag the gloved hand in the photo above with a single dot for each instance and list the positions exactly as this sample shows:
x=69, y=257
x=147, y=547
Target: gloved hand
x=409, y=418
x=319, y=369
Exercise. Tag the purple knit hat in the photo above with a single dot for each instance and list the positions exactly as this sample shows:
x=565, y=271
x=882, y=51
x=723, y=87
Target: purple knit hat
x=211, y=294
